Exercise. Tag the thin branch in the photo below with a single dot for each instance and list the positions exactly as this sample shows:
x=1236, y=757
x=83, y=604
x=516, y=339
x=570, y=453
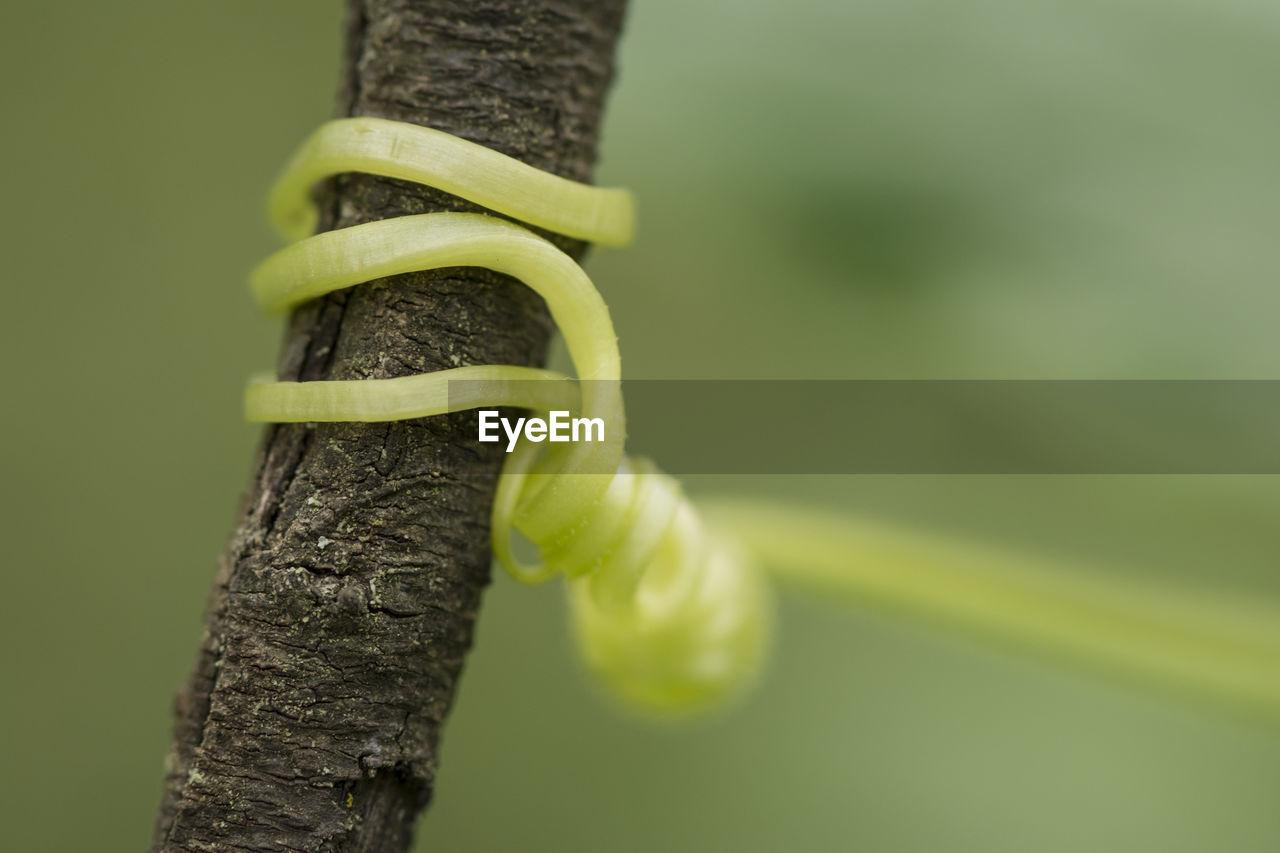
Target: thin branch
x=343, y=605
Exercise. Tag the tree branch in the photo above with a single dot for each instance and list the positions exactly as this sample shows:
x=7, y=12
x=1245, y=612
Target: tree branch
x=344, y=602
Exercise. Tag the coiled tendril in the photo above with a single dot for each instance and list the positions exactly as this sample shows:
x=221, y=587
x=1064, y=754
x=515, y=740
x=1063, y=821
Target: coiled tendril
x=668, y=614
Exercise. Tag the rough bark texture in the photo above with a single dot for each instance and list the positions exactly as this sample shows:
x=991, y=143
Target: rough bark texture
x=343, y=605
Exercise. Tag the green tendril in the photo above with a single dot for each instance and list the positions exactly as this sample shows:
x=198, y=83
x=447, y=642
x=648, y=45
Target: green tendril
x=671, y=615
x=1206, y=645
x=433, y=158
x=667, y=614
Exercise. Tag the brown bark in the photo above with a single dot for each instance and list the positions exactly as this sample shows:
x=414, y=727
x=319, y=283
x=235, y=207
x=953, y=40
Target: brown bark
x=343, y=605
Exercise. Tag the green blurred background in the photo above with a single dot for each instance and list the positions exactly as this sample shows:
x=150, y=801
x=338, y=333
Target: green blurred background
x=881, y=188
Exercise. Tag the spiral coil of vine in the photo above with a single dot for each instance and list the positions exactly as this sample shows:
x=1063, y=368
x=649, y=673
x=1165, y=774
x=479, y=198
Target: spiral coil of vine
x=669, y=615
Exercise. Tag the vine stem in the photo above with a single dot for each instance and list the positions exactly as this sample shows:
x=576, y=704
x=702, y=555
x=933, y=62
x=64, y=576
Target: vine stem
x=343, y=605
x=1211, y=647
